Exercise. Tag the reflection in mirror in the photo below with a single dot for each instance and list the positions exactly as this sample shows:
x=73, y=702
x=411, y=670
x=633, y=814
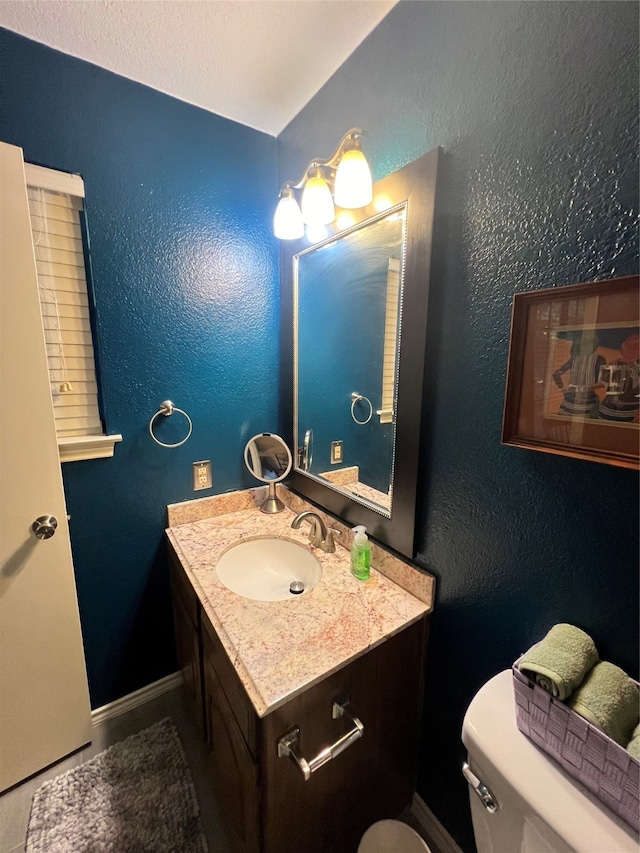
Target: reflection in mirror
x=305, y=453
x=269, y=459
x=347, y=310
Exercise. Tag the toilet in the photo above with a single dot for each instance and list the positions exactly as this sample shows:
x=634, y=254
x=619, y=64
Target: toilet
x=391, y=836
x=521, y=801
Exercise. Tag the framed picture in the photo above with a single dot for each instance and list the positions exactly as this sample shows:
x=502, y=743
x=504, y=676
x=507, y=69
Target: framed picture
x=573, y=377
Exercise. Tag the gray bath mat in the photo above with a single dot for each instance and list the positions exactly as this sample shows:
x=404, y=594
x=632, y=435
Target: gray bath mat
x=134, y=797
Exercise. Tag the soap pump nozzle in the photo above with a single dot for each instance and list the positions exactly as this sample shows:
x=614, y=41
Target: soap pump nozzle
x=360, y=534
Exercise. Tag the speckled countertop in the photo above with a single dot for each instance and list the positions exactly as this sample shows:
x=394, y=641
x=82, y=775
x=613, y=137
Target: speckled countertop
x=280, y=648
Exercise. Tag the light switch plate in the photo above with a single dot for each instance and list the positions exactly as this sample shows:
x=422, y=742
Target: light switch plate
x=337, y=455
x=202, y=478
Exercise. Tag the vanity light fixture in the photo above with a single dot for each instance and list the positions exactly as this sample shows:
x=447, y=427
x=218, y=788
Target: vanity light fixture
x=343, y=180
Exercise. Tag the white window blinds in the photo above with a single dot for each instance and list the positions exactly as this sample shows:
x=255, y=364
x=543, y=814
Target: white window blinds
x=55, y=206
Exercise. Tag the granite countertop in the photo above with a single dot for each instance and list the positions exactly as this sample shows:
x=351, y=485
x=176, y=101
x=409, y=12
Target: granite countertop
x=280, y=648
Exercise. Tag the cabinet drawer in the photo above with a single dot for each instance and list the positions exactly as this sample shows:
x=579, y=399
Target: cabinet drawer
x=216, y=657
x=182, y=590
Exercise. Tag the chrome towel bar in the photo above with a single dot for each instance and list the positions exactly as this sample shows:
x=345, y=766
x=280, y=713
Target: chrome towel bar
x=288, y=744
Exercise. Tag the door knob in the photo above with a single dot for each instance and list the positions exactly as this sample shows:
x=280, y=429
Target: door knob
x=44, y=526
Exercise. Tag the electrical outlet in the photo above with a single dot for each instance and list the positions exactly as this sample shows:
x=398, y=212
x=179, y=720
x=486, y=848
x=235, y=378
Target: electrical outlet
x=336, y=452
x=202, y=478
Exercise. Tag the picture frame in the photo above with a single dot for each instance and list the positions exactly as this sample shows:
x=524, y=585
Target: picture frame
x=573, y=373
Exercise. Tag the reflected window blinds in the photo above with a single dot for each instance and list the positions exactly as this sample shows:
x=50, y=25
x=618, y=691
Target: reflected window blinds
x=390, y=352
x=55, y=205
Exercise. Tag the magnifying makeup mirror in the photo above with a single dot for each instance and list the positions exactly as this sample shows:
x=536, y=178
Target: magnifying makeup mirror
x=269, y=460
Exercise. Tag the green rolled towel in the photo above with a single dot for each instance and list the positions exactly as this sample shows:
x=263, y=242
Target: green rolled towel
x=608, y=699
x=633, y=746
x=560, y=661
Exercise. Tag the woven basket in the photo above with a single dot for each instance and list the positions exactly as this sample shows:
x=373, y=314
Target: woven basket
x=583, y=751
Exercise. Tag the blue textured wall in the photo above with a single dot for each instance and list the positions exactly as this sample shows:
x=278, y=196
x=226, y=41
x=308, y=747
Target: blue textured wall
x=536, y=106
x=179, y=203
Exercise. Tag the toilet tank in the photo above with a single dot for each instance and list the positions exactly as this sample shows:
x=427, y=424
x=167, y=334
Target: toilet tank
x=540, y=808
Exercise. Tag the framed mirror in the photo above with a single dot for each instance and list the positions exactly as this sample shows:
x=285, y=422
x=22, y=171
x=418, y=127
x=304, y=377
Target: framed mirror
x=356, y=307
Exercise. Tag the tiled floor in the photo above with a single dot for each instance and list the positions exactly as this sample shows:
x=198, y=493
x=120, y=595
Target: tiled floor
x=15, y=805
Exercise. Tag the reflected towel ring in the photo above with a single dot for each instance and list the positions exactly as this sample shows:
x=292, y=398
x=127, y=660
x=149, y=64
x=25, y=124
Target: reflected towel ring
x=167, y=408
x=356, y=398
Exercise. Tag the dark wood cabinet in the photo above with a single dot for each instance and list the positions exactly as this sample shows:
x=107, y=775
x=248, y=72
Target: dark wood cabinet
x=268, y=805
x=186, y=617
x=236, y=775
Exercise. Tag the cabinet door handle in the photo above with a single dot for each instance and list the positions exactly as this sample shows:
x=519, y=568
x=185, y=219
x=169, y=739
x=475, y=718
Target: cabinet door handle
x=288, y=744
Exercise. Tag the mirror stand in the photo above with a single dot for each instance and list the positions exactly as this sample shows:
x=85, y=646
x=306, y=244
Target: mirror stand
x=272, y=503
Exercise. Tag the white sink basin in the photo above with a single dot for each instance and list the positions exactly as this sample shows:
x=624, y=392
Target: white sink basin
x=265, y=569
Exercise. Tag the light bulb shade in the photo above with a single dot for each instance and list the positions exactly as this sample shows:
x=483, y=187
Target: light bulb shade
x=353, y=185
x=316, y=233
x=287, y=220
x=317, y=204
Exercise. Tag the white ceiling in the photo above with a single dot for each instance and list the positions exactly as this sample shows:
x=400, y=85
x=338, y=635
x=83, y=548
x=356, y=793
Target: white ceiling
x=257, y=62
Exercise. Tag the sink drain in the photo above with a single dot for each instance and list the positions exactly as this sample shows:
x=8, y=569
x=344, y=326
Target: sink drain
x=296, y=587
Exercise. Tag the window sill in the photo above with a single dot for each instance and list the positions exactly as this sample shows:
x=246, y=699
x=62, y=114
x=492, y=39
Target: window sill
x=78, y=447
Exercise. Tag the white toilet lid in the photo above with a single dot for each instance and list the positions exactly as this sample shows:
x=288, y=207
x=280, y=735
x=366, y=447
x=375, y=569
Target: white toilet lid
x=391, y=836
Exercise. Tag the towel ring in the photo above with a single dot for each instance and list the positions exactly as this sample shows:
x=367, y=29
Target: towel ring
x=356, y=398
x=167, y=408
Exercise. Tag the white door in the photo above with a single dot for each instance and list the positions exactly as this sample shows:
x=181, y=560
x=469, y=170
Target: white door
x=44, y=697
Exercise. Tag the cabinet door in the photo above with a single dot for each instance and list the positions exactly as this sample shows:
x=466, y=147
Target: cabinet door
x=186, y=620
x=188, y=651
x=372, y=779
x=329, y=812
x=235, y=775
x=214, y=656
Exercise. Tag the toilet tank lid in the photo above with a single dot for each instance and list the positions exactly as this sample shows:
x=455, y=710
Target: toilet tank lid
x=506, y=757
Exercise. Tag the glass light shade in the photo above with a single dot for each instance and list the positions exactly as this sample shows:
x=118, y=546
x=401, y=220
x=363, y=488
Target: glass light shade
x=317, y=204
x=353, y=185
x=287, y=220
x=317, y=233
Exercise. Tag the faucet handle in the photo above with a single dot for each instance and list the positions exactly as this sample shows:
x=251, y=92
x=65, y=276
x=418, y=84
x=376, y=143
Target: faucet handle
x=330, y=546
x=315, y=533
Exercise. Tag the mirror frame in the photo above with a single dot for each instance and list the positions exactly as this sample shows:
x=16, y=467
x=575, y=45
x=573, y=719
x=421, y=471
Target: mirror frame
x=414, y=183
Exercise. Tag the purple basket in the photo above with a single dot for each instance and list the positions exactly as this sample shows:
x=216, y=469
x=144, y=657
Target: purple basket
x=583, y=751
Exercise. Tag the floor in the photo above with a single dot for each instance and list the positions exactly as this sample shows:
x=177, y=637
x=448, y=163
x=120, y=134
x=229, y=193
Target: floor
x=15, y=805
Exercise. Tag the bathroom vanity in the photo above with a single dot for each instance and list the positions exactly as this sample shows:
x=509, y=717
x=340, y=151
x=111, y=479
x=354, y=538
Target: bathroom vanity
x=339, y=666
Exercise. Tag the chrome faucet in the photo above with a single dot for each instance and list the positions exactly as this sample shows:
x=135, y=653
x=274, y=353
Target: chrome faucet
x=319, y=536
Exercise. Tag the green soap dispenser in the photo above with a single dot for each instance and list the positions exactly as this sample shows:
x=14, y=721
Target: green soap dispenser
x=360, y=554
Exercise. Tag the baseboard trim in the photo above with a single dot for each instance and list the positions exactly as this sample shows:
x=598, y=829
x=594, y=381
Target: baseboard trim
x=135, y=699
x=434, y=832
